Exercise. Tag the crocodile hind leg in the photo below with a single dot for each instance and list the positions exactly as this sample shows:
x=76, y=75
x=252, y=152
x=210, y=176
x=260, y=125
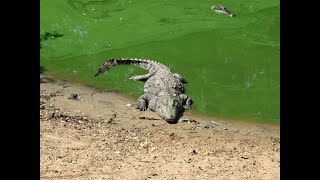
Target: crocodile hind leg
x=142, y=103
x=187, y=101
x=141, y=77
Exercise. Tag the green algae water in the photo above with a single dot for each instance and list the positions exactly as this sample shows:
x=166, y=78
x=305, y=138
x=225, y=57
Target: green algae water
x=232, y=65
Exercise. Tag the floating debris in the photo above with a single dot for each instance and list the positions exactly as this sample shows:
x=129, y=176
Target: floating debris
x=221, y=9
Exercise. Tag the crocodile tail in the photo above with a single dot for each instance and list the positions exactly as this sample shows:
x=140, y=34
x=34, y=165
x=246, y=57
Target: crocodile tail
x=149, y=65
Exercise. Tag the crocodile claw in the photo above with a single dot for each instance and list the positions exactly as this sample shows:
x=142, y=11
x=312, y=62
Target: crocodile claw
x=141, y=108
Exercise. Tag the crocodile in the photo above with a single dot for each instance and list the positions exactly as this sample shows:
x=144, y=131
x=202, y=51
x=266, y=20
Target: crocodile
x=163, y=90
x=221, y=9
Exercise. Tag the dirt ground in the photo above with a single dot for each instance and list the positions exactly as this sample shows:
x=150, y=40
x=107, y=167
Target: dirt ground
x=87, y=134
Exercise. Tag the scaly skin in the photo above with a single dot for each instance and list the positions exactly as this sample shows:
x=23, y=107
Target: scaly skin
x=221, y=9
x=163, y=90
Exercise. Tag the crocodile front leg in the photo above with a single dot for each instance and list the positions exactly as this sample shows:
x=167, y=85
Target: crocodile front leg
x=142, y=103
x=187, y=101
x=153, y=104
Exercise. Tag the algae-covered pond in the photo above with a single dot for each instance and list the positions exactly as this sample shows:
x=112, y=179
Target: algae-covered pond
x=232, y=64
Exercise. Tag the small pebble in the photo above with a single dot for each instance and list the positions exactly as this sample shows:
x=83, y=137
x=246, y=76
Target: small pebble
x=128, y=105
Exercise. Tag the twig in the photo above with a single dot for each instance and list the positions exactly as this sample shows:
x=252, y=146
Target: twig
x=95, y=92
x=148, y=118
x=116, y=112
x=215, y=123
x=125, y=100
x=252, y=134
x=147, y=161
x=193, y=128
x=101, y=91
x=188, y=120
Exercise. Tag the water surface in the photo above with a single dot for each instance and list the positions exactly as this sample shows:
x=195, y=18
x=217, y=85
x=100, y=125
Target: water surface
x=232, y=65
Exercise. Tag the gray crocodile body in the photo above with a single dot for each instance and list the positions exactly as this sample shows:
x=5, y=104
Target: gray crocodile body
x=221, y=9
x=163, y=90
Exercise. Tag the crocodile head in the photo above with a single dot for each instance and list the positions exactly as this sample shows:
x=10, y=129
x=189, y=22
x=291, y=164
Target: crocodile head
x=169, y=107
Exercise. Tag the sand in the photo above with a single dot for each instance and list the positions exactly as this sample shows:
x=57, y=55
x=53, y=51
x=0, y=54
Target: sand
x=89, y=134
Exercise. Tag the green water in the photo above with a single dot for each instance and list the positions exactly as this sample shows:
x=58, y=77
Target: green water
x=232, y=65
